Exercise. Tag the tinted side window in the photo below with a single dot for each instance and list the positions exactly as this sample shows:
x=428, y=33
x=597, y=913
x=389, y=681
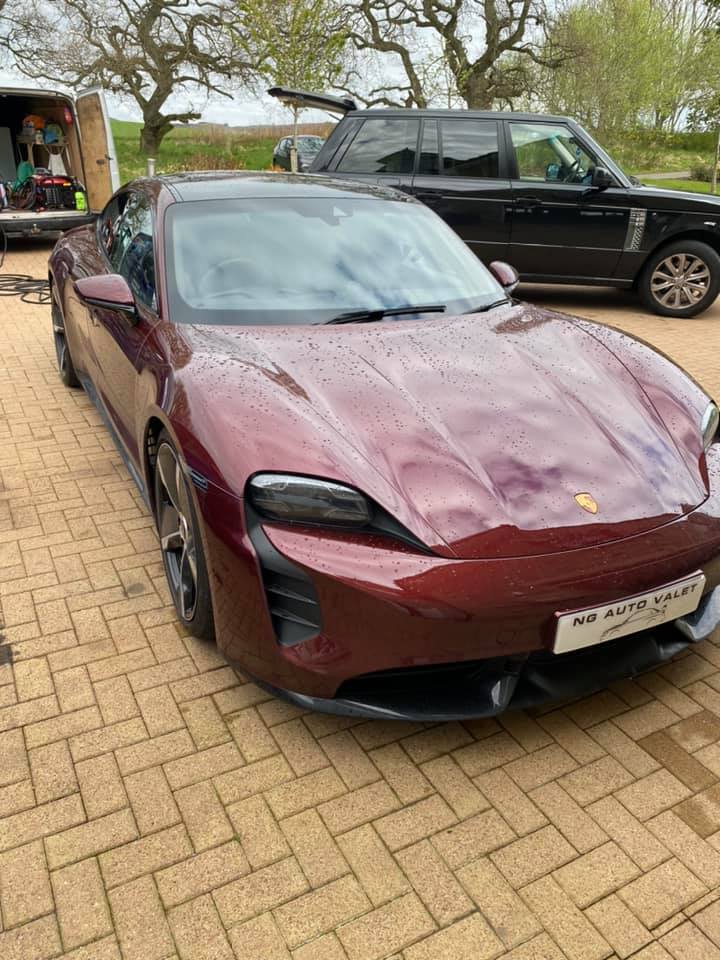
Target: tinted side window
x=550, y=152
x=469, y=148
x=430, y=149
x=383, y=145
x=133, y=255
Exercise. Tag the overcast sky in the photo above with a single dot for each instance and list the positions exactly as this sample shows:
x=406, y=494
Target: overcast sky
x=243, y=110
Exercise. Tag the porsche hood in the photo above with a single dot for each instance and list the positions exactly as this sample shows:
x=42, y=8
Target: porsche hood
x=510, y=434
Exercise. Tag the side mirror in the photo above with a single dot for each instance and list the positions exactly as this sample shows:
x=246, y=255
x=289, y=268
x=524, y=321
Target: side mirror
x=602, y=178
x=109, y=291
x=505, y=275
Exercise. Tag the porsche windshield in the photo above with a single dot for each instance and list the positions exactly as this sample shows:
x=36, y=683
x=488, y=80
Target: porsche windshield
x=289, y=260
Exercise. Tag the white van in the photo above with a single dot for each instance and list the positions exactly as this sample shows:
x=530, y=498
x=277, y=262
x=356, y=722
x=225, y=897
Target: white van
x=82, y=149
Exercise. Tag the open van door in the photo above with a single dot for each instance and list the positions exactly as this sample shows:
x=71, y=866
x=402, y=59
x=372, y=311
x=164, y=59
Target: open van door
x=304, y=100
x=99, y=160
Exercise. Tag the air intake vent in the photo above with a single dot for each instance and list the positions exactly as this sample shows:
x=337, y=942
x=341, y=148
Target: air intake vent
x=291, y=597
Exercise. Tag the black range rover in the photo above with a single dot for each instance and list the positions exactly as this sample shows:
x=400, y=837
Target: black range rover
x=536, y=191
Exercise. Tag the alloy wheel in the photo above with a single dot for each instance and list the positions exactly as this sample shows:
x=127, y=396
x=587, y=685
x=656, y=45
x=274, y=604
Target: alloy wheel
x=176, y=531
x=680, y=280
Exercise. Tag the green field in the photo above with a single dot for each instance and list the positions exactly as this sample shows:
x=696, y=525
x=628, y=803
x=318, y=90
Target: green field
x=206, y=147
x=694, y=186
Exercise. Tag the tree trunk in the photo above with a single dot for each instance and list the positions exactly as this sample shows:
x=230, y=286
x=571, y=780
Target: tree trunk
x=152, y=134
x=713, y=184
x=476, y=93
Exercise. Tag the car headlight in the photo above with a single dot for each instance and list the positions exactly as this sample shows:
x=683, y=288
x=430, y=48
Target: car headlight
x=282, y=496
x=709, y=424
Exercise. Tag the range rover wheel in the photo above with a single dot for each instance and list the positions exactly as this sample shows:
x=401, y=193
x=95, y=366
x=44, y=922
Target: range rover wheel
x=66, y=368
x=181, y=543
x=681, y=280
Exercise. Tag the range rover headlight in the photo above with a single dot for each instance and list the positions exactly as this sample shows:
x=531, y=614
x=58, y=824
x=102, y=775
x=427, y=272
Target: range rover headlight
x=709, y=424
x=282, y=496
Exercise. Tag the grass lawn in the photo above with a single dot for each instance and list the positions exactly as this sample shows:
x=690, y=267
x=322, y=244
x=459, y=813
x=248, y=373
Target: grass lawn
x=206, y=147
x=692, y=186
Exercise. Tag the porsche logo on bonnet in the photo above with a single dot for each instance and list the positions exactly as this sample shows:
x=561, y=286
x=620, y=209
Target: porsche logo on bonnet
x=587, y=502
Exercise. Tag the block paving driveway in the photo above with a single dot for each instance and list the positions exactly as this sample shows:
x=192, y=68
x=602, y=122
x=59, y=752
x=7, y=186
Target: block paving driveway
x=155, y=805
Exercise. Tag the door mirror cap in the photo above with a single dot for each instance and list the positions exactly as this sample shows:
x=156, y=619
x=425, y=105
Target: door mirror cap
x=108, y=291
x=602, y=178
x=505, y=275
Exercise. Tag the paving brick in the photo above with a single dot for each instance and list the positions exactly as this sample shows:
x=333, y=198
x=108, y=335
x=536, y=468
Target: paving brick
x=299, y=747
x=101, y=786
x=373, y=866
x=323, y=910
x=254, y=778
x=90, y=838
x=508, y=916
x=41, y=821
x=82, y=909
x=495, y=751
x=39, y=940
x=468, y=939
x=185, y=771
x=472, y=838
x=262, y=890
x=206, y=726
x=693, y=851
x=386, y=929
x=316, y=851
x=403, y=776
x=540, y=767
x=202, y=873
x=16, y=797
x=73, y=688
x=673, y=698
x=32, y=679
x=572, y=821
x=657, y=792
x=107, y=739
x=146, y=855
x=582, y=748
x=532, y=856
x=25, y=892
x=625, y=751
x=260, y=939
x=326, y=947
x=596, y=780
x=574, y=934
x=358, y=807
x=153, y=752
x=140, y=922
x=418, y=821
x=159, y=711
x=696, y=732
x=629, y=833
x=708, y=920
x=305, y=792
x=258, y=831
x=204, y=816
x=198, y=931
x=353, y=765
x=622, y=930
x=29, y=712
x=203, y=685
x=678, y=761
x=686, y=942
x=596, y=874
x=454, y=786
x=116, y=700
x=505, y=795
x=14, y=764
x=662, y=892
x=438, y=740
x=701, y=812
x=52, y=772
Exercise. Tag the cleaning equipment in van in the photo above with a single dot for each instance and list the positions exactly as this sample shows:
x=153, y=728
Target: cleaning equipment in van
x=44, y=191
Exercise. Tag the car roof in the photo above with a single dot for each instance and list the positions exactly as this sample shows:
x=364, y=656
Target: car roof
x=238, y=184
x=459, y=114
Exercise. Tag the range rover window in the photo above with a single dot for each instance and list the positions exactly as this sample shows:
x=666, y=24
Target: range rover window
x=549, y=152
x=460, y=148
x=383, y=145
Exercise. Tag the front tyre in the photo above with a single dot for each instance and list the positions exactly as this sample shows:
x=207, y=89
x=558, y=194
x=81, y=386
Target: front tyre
x=181, y=543
x=681, y=279
x=66, y=367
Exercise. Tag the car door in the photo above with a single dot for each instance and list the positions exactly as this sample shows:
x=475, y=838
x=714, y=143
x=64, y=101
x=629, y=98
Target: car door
x=381, y=151
x=562, y=227
x=117, y=338
x=461, y=174
x=97, y=147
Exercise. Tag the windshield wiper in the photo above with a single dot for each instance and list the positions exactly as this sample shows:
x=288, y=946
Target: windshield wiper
x=368, y=316
x=483, y=308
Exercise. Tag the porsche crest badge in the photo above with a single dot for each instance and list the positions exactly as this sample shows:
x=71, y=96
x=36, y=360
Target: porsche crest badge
x=587, y=502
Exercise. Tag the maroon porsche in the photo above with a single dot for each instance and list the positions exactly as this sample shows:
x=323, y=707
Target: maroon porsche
x=385, y=487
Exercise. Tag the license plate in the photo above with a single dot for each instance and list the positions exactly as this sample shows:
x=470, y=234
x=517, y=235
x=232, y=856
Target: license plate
x=583, y=628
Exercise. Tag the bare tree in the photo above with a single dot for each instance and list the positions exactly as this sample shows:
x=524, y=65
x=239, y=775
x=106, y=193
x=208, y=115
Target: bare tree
x=483, y=44
x=147, y=50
